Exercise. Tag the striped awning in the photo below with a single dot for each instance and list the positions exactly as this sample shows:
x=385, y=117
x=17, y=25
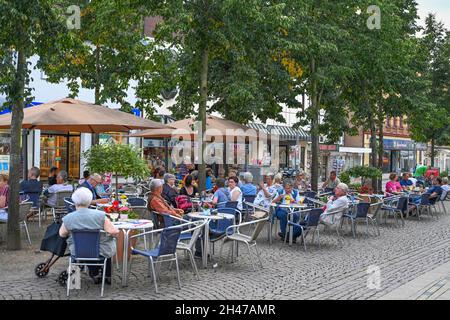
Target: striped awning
x=285, y=132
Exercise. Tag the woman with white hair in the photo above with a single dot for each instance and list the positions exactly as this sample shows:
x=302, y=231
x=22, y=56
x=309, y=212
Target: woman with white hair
x=248, y=188
x=337, y=205
x=169, y=190
x=88, y=219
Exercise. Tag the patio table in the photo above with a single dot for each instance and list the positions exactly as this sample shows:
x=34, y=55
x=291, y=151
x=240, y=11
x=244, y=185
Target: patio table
x=126, y=226
x=209, y=217
x=292, y=207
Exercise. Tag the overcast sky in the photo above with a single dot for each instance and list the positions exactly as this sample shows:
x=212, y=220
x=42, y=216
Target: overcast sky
x=440, y=7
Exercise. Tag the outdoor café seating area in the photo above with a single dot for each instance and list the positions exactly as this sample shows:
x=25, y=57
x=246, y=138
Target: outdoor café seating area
x=209, y=228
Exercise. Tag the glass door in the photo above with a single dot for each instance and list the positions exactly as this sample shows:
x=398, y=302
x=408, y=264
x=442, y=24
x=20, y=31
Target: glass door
x=61, y=151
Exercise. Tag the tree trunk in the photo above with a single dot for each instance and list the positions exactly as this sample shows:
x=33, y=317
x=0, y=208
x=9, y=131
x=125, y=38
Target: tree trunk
x=13, y=234
x=373, y=147
x=433, y=146
x=314, y=130
x=95, y=136
x=117, y=186
x=202, y=118
x=380, y=146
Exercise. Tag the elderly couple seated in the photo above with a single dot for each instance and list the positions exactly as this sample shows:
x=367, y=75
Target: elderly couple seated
x=336, y=206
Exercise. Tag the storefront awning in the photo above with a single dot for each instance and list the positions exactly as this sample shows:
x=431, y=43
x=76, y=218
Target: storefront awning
x=285, y=132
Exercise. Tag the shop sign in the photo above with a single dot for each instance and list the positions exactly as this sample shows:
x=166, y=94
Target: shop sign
x=395, y=144
x=328, y=147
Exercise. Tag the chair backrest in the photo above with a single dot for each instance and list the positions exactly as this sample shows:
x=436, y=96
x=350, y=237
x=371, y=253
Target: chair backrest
x=249, y=198
x=24, y=209
x=130, y=188
x=313, y=217
x=169, y=221
x=425, y=199
x=169, y=241
x=259, y=227
x=221, y=225
x=402, y=204
x=70, y=206
x=196, y=231
x=362, y=209
x=60, y=197
x=231, y=204
x=142, y=211
x=35, y=198
x=310, y=194
x=232, y=211
x=87, y=244
x=137, y=202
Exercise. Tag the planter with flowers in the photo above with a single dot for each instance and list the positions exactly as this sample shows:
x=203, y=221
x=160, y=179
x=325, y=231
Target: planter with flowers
x=117, y=212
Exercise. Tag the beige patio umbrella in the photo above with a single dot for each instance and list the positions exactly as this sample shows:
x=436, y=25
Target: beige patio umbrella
x=215, y=126
x=79, y=116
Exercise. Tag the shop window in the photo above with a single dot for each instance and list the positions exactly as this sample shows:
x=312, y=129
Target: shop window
x=116, y=137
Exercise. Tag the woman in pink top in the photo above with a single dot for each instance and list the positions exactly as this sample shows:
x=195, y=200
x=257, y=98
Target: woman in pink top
x=4, y=191
x=393, y=186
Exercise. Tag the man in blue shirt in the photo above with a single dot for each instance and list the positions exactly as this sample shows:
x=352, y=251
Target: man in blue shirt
x=436, y=190
x=32, y=187
x=91, y=183
x=405, y=182
x=248, y=188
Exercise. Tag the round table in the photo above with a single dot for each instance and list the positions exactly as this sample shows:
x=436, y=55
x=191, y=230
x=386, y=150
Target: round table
x=126, y=226
x=209, y=217
x=292, y=207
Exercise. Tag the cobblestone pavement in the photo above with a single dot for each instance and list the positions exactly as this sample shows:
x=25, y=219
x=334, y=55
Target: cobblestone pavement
x=335, y=271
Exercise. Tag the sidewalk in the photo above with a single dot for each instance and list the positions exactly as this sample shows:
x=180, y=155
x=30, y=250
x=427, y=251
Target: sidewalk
x=433, y=285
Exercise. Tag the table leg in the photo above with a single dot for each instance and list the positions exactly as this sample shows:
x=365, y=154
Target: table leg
x=291, y=228
x=269, y=229
x=206, y=246
x=125, y=258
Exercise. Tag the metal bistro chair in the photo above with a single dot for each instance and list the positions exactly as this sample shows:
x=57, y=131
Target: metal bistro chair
x=60, y=207
x=165, y=252
x=130, y=189
x=24, y=209
x=218, y=229
x=233, y=234
x=360, y=214
x=246, y=209
x=70, y=206
x=442, y=199
x=137, y=202
x=194, y=232
x=312, y=220
x=424, y=203
x=87, y=253
x=397, y=205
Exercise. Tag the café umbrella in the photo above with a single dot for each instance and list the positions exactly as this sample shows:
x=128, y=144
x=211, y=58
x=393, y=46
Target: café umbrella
x=70, y=115
x=215, y=128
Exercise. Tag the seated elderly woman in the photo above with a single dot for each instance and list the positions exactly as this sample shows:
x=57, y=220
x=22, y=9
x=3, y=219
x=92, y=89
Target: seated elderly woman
x=157, y=203
x=88, y=219
x=248, y=188
x=169, y=191
x=337, y=205
x=59, y=186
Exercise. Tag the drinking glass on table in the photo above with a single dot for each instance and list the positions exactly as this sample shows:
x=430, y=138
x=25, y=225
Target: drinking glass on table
x=114, y=216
